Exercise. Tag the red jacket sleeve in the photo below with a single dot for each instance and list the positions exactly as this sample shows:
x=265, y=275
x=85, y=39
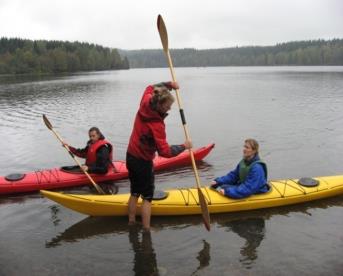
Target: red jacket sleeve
x=147, y=95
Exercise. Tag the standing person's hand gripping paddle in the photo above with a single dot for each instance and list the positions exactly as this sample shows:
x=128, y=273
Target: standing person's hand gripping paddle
x=164, y=38
x=49, y=126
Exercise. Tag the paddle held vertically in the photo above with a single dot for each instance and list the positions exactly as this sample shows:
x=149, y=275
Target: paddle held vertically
x=164, y=39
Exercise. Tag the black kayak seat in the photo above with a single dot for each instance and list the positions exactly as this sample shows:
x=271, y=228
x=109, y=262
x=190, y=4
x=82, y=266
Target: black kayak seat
x=15, y=176
x=308, y=182
x=71, y=169
x=159, y=195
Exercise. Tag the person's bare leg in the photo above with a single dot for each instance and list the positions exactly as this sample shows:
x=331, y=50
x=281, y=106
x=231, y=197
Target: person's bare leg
x=146, y=214
x=132, y=204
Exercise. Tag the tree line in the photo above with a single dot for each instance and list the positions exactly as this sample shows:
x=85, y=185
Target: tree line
x=18, y=56
x=311, y=52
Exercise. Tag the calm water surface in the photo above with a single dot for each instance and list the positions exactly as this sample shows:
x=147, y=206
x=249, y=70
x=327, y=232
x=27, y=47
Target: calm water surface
x=295, y=113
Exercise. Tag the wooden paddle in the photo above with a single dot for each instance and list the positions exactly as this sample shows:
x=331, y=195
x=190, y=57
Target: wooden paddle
x=49, y=126
x=164, y=38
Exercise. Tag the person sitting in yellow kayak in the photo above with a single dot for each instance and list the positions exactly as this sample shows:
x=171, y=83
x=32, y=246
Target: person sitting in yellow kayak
x=249, y=177
x=98, y=153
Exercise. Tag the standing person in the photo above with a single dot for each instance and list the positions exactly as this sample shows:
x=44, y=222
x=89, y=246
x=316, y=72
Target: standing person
x=148, y=136
x=249, y=177
x=98, y=153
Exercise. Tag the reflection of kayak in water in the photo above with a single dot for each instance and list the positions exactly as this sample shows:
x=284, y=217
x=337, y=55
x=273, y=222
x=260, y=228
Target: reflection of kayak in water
x=102, y=226
x=249, y=229
x=59, y=178
x=185, y=201
x=250, y=226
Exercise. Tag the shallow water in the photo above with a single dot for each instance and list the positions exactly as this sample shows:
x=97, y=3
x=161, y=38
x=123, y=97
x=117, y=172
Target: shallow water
x=295, y=113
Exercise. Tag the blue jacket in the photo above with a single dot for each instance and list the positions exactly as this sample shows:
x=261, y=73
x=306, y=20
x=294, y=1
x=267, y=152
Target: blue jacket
x=254, y=183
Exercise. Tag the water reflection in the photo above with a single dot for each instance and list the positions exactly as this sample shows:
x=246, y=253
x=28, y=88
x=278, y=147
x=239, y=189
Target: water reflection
x=55, y=209
x=18, y=198
x=145, y=257
x=203, y=257
x=250, y=226
x=252, y=230
x=89, y=227
x=7, y=79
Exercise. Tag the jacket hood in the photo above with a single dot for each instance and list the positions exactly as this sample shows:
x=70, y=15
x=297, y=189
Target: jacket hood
x=148, y=113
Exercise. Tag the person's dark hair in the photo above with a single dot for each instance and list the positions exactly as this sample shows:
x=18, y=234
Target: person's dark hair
x=97, y=130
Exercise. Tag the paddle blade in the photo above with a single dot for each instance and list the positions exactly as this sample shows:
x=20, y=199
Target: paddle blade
x=163, y=32
x=204, y=210
x=47, y=122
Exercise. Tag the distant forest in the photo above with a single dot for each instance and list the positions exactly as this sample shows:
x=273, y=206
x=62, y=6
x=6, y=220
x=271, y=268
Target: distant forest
x=312, y=52
x=19, y=56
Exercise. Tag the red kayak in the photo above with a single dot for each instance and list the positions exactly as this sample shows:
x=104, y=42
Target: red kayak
x=58, y=178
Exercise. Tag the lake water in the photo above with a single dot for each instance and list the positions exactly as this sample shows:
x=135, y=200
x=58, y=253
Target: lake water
x=294, y=112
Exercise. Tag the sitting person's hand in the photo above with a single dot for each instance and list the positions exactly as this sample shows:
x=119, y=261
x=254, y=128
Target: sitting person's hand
x=214, y=184
x=188, y=144
x=221, y=191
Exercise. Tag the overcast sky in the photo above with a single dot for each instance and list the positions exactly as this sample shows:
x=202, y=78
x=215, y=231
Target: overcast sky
x=129, y=24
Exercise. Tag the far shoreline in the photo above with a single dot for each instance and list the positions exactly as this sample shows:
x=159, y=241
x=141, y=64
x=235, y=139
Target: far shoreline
x=141, y=68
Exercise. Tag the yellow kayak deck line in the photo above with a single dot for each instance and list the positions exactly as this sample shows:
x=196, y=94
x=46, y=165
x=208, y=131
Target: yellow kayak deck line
x=185, y=201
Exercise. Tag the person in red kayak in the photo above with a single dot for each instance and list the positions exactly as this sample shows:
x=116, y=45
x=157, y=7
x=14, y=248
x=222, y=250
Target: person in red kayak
x=147, y=137
x=98, y=153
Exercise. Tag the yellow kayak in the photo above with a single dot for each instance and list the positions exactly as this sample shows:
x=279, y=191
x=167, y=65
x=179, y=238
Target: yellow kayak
x=185, y=201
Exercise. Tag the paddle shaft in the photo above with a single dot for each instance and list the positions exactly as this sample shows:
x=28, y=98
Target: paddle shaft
x=97, y=187
x=184, y=124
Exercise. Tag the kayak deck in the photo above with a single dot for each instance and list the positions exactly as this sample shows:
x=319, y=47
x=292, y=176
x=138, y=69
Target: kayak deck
x=185, y=201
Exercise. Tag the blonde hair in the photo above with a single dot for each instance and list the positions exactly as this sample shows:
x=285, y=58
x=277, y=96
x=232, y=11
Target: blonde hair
x=253, y=144
x=162, y=95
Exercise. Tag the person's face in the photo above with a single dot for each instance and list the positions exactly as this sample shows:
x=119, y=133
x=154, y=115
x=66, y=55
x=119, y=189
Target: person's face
x=165, y=107
x=248, y=152
x=94, y=136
